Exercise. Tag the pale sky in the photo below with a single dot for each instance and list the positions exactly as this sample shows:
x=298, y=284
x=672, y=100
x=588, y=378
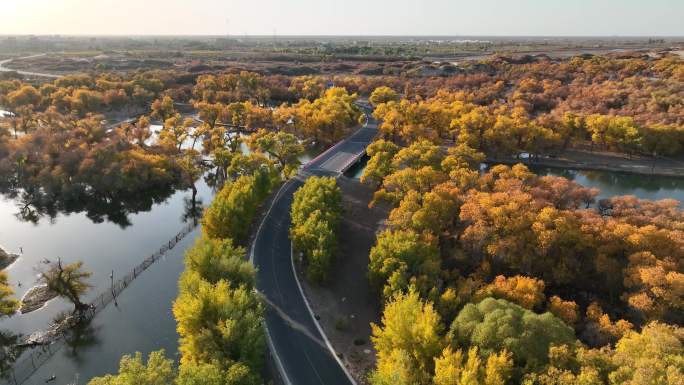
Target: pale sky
x=344, y=17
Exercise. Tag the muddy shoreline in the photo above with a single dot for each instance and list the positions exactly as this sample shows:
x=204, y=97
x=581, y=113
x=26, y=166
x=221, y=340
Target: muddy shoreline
x=6, y=258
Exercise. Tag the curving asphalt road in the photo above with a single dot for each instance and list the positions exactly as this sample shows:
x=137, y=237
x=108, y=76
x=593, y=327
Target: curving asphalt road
x=302, y=353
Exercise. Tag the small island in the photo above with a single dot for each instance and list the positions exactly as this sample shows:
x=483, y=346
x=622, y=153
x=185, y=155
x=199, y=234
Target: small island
x=36, y=298
x=6, y=259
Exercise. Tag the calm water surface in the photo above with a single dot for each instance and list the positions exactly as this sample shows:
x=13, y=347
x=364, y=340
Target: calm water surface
x=143, y=320
x=616, y=183
x=103, y=247
x=610, y=183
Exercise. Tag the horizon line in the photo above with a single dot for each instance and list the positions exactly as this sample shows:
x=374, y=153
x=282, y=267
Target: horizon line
x=328, y=35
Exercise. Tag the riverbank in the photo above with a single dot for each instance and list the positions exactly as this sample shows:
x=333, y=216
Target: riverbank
x=581, y=159
x=6, y=259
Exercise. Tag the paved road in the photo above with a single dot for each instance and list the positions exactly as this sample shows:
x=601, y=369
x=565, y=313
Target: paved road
x=297, y=343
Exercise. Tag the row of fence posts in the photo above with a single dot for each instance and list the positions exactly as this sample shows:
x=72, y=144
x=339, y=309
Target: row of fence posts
x=24, y=368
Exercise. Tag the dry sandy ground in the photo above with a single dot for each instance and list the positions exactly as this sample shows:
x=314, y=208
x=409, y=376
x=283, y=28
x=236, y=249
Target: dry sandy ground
x=346, y=305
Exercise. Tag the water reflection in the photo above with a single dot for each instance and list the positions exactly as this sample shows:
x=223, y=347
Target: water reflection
x=617, y=183
x=143, y=321
x=356, y=171
x=8, y=352
x=80, y=339
x=610, y=183
x=33, y=204
x=646, y=182
x=192, y=208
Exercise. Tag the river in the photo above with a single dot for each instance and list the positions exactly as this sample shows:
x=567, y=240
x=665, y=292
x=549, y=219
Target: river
x=143, y=320
x=610, y=183
x=616, y=183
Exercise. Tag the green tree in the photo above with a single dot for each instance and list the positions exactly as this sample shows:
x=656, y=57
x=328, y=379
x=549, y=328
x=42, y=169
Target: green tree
x=408, y=341
x=217, y=259
x=281, y=146
x=317, y=193
x=403, y=258
x=316, y=213
x=133, y=371
x=235, y=206
x=494, y=325
x=8, y=305
x=68, y=281
x=219, y=322
x=316, y=239
x=383, y=94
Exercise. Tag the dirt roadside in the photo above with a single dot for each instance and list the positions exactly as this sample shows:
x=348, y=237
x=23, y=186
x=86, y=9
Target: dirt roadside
x=346, y=306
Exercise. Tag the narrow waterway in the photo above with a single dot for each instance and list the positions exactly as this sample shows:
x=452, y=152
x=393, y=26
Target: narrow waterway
x=616, y=183
x=103, y=247
x=610, y=183
x=143, y=320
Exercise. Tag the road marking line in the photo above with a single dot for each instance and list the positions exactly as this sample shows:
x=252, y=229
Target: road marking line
x=318, y=325
x=269, y=340
x=263, y=220
x=279, y=364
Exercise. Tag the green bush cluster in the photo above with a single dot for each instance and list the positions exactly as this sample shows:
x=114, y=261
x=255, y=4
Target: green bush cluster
x=236, y=205
x=316, y=213
x=219, y=315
